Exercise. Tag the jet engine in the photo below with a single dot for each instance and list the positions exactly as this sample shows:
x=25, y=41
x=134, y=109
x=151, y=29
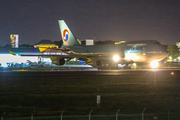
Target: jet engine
x=61, y=61
x=97, y=64
x=58, y=61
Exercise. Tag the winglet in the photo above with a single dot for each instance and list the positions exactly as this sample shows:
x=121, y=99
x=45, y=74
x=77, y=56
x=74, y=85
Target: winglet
x=12, y=53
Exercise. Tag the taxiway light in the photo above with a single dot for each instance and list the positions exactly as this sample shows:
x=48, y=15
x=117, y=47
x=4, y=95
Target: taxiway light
x=154, y=64
x=116, y=58
x=172, y=73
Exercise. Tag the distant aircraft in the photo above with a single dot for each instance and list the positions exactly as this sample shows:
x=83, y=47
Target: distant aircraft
x=141, y=51
x=35, y=64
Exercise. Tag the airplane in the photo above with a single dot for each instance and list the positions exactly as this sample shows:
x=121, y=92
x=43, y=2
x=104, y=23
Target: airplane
x=98, y=56
x=140, y=51
x=36, y=64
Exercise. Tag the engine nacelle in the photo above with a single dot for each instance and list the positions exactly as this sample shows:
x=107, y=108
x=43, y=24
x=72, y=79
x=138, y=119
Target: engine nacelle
x=97, y=64
x=61, y=61
x=102, y=63
x=58, y=61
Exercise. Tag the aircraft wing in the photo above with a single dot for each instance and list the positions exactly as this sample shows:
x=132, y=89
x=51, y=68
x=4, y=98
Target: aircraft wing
x=63, y=52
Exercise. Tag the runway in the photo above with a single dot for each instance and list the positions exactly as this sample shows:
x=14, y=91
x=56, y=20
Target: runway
x=49, y=92
x=68, y=73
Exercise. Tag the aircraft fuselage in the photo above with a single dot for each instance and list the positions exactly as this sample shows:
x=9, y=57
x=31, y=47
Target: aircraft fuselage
x=136, y=51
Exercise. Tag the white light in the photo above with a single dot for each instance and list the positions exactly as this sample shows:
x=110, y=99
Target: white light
x=134, y=64
x=116, y=58
x=154, y=64
x=131, y=56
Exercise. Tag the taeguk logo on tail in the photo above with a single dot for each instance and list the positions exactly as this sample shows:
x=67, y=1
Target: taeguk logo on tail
x=65, y=35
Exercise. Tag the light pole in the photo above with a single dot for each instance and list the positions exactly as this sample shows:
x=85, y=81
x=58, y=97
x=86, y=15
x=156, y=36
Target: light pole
x=168, y=112
x=62, y=114
x=90, y=114
x=143, y=114
x=117, y=114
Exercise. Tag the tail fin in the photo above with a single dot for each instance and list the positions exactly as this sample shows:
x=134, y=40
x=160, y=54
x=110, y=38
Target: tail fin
x=67, y=36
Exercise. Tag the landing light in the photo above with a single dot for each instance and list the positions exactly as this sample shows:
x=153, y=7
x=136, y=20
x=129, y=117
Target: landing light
x=116, y=58
x=131, y=56
x=134, y=64
x=154, y=64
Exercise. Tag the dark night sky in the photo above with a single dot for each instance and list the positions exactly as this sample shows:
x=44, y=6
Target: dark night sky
x=117, y=20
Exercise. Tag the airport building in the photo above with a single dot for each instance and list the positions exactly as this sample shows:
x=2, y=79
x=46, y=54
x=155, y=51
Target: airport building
x=44, y=44
x=87, y=42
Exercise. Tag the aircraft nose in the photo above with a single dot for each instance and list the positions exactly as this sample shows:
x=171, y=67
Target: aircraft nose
x=164, y=49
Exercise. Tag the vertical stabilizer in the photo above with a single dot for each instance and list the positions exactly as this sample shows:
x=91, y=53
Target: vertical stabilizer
x=66, y=34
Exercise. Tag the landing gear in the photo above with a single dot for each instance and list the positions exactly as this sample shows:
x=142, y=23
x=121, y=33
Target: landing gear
x=127, y=66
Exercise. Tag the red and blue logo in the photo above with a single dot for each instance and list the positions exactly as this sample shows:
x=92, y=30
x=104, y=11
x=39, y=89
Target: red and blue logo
x=65, y=35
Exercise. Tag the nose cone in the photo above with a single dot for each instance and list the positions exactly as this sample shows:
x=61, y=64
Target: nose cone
x=163, y=49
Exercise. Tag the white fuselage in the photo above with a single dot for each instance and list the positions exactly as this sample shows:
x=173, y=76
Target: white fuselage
x=136, y=51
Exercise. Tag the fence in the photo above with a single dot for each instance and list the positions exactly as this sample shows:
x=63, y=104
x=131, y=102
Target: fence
x=157, y=116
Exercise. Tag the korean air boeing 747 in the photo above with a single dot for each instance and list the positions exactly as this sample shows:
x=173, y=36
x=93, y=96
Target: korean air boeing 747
x=141, y=51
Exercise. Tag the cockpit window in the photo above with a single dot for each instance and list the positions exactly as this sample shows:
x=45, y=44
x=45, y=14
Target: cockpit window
x=157, y=43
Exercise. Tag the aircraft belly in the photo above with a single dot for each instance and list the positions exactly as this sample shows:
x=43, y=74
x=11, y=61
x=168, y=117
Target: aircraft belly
x=155, y=56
